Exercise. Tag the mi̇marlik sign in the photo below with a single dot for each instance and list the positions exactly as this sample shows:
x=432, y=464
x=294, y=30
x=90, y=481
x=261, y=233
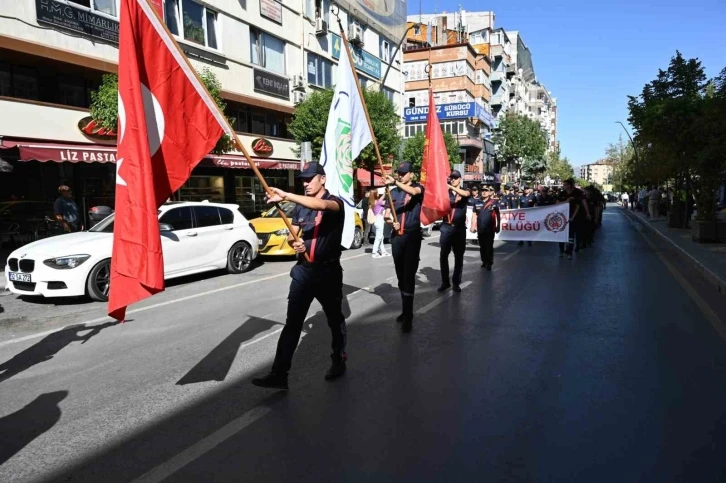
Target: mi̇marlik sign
x=456, y=110
x=65, y=16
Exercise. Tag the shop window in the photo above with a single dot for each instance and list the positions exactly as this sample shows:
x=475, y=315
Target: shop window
x=198, y=23
x=178, y=218
x=267, y=51
x=319, y=71
x=200, y=188
x=226, y=215
x=206, y=216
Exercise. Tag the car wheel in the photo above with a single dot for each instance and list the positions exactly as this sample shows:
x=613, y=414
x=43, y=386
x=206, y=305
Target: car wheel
x=98, y=281
x=357, y=239
x=239, y=258
x=427, y=231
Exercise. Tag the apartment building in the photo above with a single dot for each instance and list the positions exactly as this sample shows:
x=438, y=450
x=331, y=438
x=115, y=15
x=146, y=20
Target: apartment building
x=460, y=82
x=600, y=172
x=544, y=107
x=267, y=54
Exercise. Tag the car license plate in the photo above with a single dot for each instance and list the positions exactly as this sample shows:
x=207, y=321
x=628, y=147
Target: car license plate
x=19, y=277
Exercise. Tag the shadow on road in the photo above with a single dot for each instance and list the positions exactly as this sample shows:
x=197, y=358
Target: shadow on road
x=48, y=347
x=23, y=426
x=216, y=365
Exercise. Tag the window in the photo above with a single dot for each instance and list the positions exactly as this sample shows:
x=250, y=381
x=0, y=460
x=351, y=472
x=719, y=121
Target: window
x=178, y=218
x=417, y=30
x=198, y=25
x=257, y=121
x=109, y=7
x=25, y=83
x=206, y=216
x=5, y=84
x=71, y=91
x=226, y=215
x=267, y=51
x=385, y=51
x=319, y=71
x=411, y=102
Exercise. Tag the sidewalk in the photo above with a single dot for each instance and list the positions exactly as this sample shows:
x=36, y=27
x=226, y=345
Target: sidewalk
x=708, y=259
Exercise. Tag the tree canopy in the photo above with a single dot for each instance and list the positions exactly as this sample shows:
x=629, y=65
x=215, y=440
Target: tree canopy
x=311, y=118
x=558, y=168
x=521, y=140
x=413, y=150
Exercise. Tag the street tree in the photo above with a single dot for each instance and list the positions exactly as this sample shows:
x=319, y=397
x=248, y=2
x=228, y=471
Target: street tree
x=558, y=168
x=311, y=119
x=522, y=142
x=414, y=147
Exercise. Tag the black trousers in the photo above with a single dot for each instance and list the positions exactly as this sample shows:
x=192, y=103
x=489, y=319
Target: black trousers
x=571, y=231
x=405, y=250
x=452, y=239
x=321, y=282
x=486, y=246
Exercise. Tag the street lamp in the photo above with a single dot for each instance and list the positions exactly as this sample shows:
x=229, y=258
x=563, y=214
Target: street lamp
x=635, y=153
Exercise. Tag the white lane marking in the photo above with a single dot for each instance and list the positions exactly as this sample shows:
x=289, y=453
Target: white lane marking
x=161, y=304
x=201, y=447
x=706, y=310
x=436, y=302
x=511, y=254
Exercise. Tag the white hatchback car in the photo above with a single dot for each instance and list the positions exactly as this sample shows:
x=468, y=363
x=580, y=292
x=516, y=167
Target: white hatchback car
x=196, y=237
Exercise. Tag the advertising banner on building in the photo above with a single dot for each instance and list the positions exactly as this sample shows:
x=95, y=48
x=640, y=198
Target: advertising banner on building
x=455, y=110
x=544, y=224
x=385, y=17
x=364, y=62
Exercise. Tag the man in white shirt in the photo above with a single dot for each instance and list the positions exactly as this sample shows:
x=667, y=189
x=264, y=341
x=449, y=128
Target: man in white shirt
x=625, y=198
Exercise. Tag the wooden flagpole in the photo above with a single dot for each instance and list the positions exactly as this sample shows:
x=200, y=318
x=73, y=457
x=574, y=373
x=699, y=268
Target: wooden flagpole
x=228, y=128
x=365, y=109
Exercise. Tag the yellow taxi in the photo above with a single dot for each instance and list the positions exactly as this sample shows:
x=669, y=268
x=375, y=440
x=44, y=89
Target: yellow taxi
x=272, y=232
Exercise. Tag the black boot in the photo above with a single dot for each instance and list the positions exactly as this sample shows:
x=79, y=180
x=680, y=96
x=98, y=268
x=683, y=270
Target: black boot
x=272, y=381
x=407, y=314
x=444, y=286
x=402, y=316
x=337, y=369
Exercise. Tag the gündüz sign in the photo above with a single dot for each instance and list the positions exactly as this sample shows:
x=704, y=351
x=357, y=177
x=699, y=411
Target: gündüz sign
x=271, y=84
x=456, y=110
x=65, y=16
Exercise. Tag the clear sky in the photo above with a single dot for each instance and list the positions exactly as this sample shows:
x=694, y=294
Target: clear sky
x=592, y=54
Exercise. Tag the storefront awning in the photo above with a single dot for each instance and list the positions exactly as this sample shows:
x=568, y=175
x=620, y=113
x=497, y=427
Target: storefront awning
x=72, y=153
x=79, y=153
x=364, y=177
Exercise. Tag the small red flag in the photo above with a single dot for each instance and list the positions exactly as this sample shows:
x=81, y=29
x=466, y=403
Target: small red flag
x=167, y=124
x=435, y=169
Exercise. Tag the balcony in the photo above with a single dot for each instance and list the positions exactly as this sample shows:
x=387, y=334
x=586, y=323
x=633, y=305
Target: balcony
x=498, y=76
x=500, y=98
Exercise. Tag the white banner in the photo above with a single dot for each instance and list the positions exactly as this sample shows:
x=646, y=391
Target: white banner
x=544, y=223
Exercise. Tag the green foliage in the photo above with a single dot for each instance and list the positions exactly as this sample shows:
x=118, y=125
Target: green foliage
x=680, y=124
x=414, y=147
x=311, y=118
x=522, y=140
x=192, y=31
x=104, y=102
x=558, y=168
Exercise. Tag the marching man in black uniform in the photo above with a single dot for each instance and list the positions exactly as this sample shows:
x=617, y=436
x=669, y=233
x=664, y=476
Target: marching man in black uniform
x=320, y=216
x=453, y=233
x=526, y=200
x=485, y=223
x=406, y=236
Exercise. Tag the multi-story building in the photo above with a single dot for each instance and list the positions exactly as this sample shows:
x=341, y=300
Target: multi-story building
x=267, y=56
x=461, y=86
x=544, y=107
x=600, y=172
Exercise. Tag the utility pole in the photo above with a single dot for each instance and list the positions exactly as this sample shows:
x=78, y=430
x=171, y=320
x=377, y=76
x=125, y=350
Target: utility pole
x=635, y=153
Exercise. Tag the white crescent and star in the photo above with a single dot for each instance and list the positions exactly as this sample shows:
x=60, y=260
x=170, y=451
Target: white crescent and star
x=155, y=123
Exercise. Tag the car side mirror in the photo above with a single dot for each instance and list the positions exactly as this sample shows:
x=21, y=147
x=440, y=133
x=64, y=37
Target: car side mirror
x=165, y=227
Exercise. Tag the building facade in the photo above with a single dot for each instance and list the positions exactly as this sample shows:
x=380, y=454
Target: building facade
x=268, y=55
x=600, y=172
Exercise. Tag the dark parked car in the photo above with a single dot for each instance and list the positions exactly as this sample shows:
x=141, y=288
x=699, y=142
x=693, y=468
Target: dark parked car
x=24, y=221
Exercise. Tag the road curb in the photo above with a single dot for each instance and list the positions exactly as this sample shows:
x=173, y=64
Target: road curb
x=700, y=268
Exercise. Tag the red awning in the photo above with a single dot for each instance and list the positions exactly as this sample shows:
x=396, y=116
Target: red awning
x=364, y=177
x=89, y=153
x=73, y=153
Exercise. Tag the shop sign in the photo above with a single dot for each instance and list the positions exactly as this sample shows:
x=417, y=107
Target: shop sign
x=64, y=15
x=244, y=164
x=364, y=62
x=262, y=146
x=455, y=110
x=93, y=129
x=489, y=178
x=271, y=9
x=271, y=84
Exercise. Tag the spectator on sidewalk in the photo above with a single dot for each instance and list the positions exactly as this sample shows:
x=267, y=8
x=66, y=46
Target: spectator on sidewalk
x=378, y=208
x=653, y=202
x=625, y=198
x=66, y=210
x=641, y=200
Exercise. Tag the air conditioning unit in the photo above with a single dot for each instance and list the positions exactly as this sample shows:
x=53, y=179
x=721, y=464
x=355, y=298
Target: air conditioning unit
x=355, y=34
x=321, y=27
x=298, y=81
x=298, y=97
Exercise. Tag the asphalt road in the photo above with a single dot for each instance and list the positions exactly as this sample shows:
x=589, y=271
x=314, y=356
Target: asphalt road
x=609, y=367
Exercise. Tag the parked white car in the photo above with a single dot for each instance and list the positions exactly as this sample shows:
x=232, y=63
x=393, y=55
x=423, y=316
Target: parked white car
x=196, y=237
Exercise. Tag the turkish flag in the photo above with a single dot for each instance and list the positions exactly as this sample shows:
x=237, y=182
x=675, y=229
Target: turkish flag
x=435, y=169
x=167, y=124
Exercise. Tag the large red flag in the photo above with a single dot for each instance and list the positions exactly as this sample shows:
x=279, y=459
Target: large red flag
x=435, y=169
x=167, y=124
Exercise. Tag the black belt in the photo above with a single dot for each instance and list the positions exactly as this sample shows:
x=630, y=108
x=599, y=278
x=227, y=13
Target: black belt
x=319, y=263
x=407, y=231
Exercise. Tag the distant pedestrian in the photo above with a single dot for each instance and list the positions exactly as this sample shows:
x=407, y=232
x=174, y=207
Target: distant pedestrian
x=625, y=199
x=653, y=202
x=379, y=250
x=367, y=218
x=319, y=217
